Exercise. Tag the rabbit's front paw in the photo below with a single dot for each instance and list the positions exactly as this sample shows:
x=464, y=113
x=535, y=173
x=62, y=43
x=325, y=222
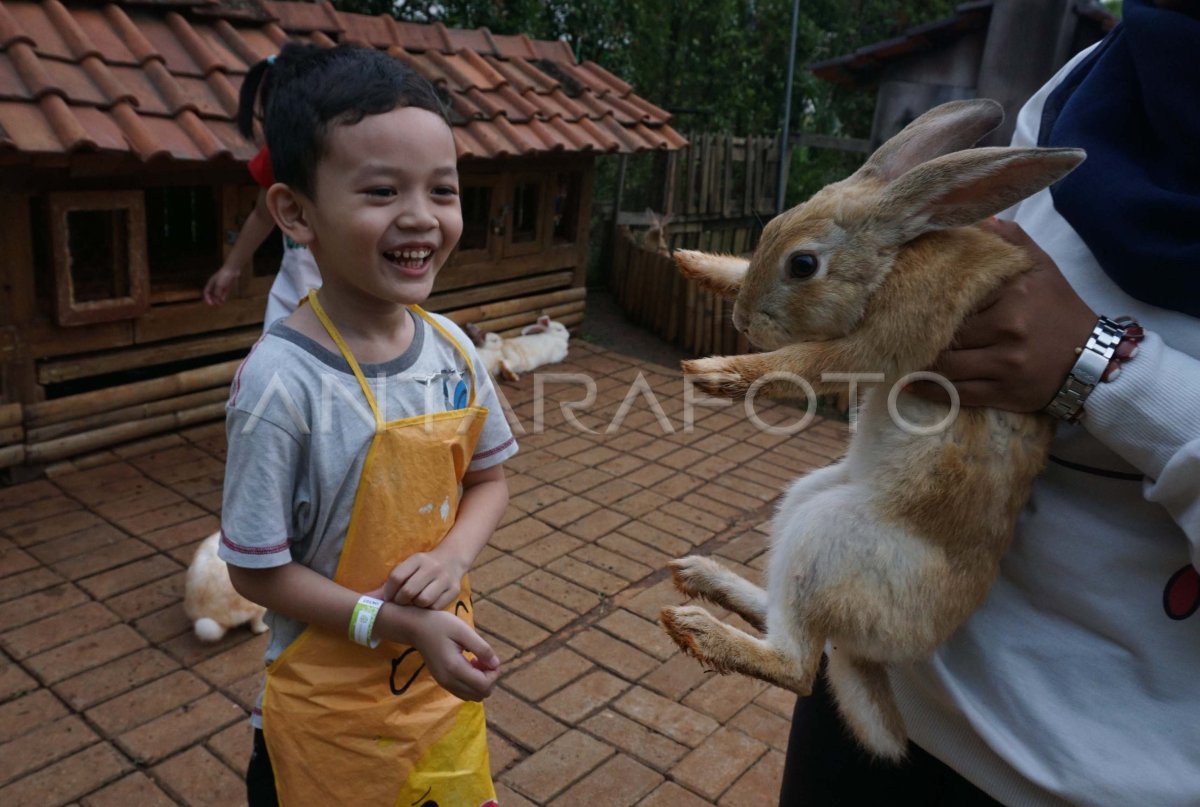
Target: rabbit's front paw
x=716, y=378
x=695, y=576
x=698, y=634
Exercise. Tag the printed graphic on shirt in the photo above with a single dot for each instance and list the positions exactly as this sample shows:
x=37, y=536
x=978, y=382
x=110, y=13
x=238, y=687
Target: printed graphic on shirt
x=1181, y=597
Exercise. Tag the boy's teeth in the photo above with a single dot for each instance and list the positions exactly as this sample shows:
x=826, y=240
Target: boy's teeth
x=407, y=254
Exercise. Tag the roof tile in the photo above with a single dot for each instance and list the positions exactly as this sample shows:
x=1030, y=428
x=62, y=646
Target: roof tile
x=103, y=129
x=138, y=44
x=11, y=86
x=159, y=80
x=74, y=83
x=32, y=21
x=597, y=76
x=414, y=36
x=26, y=128
x=196, y=47
x=73, y=35
x=102, y=33
x=10, y=29
x=359, y=29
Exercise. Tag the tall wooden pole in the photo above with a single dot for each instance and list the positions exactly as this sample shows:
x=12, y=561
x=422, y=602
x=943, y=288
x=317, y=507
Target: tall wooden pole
x=781, y=180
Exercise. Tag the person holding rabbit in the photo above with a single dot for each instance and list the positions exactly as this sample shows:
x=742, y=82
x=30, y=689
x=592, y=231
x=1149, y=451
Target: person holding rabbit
x=297, y=270
x=365, y=463
x=1074, y=682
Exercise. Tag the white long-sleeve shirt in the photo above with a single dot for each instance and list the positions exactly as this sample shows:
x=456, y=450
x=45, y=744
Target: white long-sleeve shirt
x=1072, y=684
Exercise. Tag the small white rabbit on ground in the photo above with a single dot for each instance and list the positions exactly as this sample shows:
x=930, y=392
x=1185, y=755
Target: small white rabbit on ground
x=487, y=345
x=878, y=558
x=210, y=600
x=542, y=343
x=491, y=351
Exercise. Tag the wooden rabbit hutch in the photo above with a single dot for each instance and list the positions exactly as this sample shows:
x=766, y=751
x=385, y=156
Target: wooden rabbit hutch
x=123, y=184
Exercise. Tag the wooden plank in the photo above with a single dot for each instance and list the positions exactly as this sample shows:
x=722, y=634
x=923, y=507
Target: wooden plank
x=679, y=300
x=11, y=414
x=672, y=183
x=128, y=414
x=584, y=223
x=75, y=444
x=103, y=400
x=12, y=434
x=164, y=322
x=511, y=325
x=706, y=166
x=751, y=173
x=47, y=340
x=689, y=320
x=727, y=184
x=488, y=311
x=12, y=455
x=67, y=369
x=717, y=324
x=693, y=162
x=457, y=276
x=496, y=292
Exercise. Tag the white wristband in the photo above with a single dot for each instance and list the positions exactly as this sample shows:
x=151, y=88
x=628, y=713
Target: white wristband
x=362, y=621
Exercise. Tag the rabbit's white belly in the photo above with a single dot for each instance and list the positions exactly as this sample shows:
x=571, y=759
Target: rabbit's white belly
x=827, y=538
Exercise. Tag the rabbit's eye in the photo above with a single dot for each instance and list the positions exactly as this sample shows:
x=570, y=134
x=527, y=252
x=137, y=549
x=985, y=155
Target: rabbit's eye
x=803, y=265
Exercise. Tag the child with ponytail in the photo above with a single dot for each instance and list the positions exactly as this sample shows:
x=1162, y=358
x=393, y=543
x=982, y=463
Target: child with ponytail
x=297, y=271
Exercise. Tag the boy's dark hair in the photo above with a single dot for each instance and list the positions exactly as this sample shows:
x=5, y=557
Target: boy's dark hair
x=307, y=90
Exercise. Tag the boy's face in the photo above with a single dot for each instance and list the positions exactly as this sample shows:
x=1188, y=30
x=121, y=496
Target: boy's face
x=386, y=214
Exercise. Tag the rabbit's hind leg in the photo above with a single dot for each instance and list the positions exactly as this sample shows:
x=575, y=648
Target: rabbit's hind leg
x=727, y=649
x=698, y=576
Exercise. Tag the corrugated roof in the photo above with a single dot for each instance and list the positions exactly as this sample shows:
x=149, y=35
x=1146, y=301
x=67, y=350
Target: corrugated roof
x=159, y=78
x=864, y=64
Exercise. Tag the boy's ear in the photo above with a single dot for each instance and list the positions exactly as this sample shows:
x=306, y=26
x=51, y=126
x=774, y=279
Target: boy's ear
x=288, y=208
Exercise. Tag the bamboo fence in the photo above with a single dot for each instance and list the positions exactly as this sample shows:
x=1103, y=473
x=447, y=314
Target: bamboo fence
x=718, y=193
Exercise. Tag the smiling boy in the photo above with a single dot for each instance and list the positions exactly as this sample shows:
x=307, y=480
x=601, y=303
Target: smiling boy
x=365, y=446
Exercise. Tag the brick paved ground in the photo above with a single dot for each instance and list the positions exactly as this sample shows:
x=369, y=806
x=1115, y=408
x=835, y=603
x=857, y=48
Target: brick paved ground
x=106, y=698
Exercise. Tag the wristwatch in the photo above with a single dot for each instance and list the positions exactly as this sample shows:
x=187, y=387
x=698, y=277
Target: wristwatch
x=1089, y=367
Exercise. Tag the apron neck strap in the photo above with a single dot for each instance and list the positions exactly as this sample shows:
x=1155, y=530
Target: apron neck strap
x=446, y=335
x=336, y=336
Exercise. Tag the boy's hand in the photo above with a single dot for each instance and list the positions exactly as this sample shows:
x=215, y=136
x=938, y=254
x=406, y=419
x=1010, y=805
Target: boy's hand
x=426, y=579
x=441, y=638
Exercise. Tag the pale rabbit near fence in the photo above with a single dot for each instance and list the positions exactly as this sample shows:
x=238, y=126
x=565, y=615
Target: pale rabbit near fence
x=544, y=342
x=878, y=558
x=209, y=599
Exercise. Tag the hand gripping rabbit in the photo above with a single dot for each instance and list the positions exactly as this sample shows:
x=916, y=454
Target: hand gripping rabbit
x=880, y=557
x=209, y=599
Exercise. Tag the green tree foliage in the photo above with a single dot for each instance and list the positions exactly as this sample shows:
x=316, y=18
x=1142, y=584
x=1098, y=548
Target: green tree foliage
x=716, y=65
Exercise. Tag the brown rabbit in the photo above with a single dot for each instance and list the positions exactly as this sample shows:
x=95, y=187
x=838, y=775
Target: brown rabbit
x=878, y=558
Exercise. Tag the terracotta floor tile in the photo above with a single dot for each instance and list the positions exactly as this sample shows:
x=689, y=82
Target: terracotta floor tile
x=553, y=768
x=547, y=674
x=199, y=779
x=654, y=749
x=58, y=629
x=613, y=654
x=619, y=782
x=595, y=706
x=69, y=778
x=135, y=789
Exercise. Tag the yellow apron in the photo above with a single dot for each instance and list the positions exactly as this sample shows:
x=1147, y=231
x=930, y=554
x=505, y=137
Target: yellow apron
x=346, y=724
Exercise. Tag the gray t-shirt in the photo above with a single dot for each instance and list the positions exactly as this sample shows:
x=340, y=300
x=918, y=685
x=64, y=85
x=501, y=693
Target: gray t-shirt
x=299, y=427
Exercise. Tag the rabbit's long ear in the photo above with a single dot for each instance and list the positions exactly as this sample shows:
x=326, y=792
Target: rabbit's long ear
x=968, y=186
x=944, y=129
x=720, y=274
